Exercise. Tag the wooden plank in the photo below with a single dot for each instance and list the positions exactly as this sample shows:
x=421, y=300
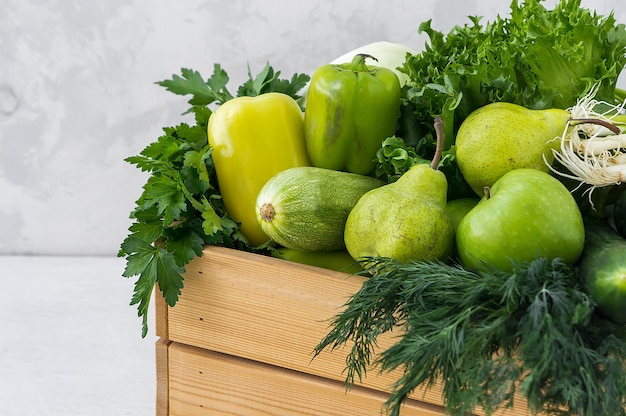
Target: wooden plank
x=263, y=309
x=204, y=383
x=272, y=311
x=162, y=377
x=160, y=314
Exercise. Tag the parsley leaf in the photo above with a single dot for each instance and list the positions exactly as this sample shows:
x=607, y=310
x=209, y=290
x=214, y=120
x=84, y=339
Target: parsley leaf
x=203, y=92
x=153, y=265
x=166, y=195
x=268, y=80
x=184, y=243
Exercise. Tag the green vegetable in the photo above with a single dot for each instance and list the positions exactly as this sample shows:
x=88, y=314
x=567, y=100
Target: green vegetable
x=350, y=109
x=485, y=337
x=388, y=54
x=338, y=260
x=306, y=208
x=180, y=208
x=603, y=268
x=535, y=57
x=619, y=213
x=590, y=149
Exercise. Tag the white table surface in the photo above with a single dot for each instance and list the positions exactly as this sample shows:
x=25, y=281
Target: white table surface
x=70, y=344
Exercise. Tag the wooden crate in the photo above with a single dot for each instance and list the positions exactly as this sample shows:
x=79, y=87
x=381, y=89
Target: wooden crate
x=240, y=340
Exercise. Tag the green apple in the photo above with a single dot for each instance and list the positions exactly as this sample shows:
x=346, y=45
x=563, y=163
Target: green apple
x=526, y=214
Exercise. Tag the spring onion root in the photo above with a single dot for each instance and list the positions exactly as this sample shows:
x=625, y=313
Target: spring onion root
x=593, y=145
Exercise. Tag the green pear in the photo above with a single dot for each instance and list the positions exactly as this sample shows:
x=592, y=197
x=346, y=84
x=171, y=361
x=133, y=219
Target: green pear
x=458, y=209
x=405, y=220
x=500, y=137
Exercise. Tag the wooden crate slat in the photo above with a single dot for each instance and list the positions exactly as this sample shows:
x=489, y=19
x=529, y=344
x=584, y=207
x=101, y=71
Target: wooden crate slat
x=204, y=383
x=267, y=310
x=162, y=376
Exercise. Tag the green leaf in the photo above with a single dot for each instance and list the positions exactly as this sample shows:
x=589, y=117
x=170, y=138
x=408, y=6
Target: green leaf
x=194, y=137
x=191, y=82
x=202, y=92
x=395, y=158
x=139, y=255
x=147, y=231
x=218, y=83
x=212, y=222
x=141, y=296
x=166, y=195
x=184, y=244
x=153, y=265
x=290, y=87
x=193, y=182
x=197, y=170
x=146, y=164
x=255, y=84
x=202, y=116
x=164, y=148
x=169, y=276
x=269, y=80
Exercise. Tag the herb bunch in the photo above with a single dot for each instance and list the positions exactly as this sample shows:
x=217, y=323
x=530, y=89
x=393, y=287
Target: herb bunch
x=485, y=337
x=180, y=209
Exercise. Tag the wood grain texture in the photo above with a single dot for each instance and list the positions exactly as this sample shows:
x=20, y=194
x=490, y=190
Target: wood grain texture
x=162, y=376
x=160, y=314
x=264, y=309
x=274, y=312
x=204, y=383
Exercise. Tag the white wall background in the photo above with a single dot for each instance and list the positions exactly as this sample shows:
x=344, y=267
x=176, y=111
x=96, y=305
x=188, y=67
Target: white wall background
x=77, y=92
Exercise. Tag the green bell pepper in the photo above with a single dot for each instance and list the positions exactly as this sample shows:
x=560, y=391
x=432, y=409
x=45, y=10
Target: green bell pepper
x=351, y=108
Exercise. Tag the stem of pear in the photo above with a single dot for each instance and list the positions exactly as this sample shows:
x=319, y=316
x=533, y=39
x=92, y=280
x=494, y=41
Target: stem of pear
x=440, y=140
x=487, y=190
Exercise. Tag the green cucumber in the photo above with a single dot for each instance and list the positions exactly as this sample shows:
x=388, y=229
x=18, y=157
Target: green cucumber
x=603, y=268
x=619, y=214
x=306, y=208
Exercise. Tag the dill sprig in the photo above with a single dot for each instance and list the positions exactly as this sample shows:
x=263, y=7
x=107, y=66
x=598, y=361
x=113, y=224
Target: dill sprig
x=486, y=337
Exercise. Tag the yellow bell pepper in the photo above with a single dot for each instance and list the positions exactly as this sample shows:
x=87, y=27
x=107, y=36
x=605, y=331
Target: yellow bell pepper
x=254, y=138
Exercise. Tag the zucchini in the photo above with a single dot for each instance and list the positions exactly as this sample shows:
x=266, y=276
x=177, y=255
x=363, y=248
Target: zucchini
x=338, y=260
x=603, y=268
x=619, y=214
x=306, y=208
